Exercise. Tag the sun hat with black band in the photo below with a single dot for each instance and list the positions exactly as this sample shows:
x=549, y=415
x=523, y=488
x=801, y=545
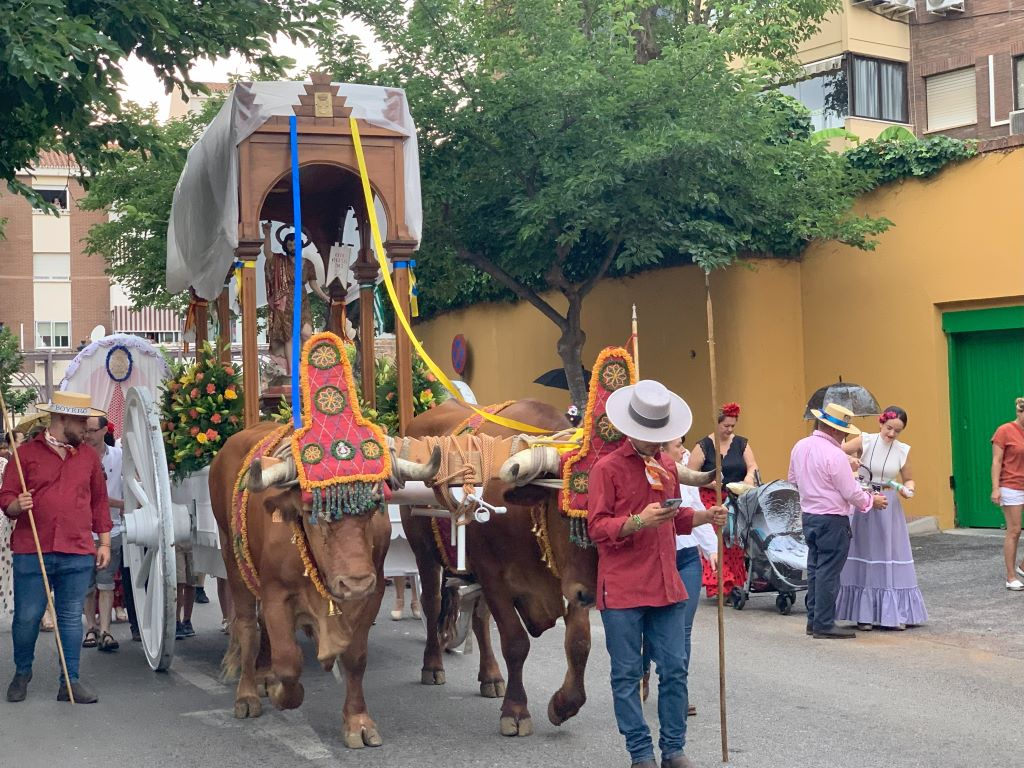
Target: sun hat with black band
x=648, y=411
x=71, y=404
x=836, y=417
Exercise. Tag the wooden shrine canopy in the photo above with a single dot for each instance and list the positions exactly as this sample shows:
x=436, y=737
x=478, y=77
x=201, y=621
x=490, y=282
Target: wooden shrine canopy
x=239, y=174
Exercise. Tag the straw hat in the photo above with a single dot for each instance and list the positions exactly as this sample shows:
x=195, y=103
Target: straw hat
x=648, y=411
x=836, y=417
x=71, y=404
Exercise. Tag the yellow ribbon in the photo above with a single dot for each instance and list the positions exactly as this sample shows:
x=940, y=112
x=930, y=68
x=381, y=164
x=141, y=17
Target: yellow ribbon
x=393, y=295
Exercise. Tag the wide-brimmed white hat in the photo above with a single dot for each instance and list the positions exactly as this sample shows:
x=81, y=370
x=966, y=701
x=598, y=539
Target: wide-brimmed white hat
x=836, y=417
x=648, y=411
x=71, y=404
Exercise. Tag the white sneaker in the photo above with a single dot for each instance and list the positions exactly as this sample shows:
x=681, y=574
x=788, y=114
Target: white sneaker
x=1015, y=586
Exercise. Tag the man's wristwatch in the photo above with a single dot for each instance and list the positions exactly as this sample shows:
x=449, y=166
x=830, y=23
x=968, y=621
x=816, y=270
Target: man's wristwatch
x=638, y=522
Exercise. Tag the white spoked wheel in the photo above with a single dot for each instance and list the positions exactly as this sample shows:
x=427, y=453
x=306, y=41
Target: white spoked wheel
x=149, y=528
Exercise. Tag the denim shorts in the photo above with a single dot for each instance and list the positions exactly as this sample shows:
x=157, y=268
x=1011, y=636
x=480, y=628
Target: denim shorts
x=103, y=578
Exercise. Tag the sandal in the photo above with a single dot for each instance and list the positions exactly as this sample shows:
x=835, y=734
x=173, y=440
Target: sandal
x=107, y=643
x=89, y=641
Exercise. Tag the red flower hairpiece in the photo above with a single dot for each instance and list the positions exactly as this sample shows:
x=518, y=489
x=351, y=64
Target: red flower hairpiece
x=887, y=416
x=110, y=427
x=731, y=410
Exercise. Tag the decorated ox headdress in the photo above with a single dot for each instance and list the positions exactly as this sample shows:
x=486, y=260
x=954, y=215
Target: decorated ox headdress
x=613, y=370
x=340, y=456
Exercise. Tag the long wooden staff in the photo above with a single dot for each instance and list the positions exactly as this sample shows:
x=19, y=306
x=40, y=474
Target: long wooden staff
x=636, y=345
x=9, y=428
x=721, y=542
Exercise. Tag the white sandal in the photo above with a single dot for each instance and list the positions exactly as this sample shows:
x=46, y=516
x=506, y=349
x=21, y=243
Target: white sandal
x=1015, y=586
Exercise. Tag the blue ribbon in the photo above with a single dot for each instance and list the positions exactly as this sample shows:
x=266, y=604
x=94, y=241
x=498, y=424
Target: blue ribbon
x=299, y=287
x=833, y=420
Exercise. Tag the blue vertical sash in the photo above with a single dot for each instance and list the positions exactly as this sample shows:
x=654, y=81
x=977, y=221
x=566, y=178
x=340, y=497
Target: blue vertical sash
x=299, y=285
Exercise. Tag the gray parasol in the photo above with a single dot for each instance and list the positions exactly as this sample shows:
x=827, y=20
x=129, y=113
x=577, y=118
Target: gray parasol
x=852, y=396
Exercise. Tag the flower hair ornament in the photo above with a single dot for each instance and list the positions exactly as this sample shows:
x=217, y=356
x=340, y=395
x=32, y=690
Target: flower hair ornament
x=888, y=415
x=730, y=410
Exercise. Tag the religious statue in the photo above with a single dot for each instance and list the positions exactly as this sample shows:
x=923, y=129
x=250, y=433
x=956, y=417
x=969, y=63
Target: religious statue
x=279, y=270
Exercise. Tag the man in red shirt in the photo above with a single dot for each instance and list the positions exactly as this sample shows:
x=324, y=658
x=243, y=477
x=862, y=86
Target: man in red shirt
x=634, y=523
x=67, y=494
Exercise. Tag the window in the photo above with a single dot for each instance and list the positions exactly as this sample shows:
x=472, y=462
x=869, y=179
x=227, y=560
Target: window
x=51, y=267
x=1018, y=82
x=53, y=334
x=951, y=99
x=55, y=196
x=826, y=96
x=879, y=89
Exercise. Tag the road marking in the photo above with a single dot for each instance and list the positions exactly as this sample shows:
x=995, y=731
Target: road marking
x=288, y=729
x=195, y=676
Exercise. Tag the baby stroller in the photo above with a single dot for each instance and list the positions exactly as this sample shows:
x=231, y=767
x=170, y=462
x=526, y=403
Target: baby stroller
x=769, y=528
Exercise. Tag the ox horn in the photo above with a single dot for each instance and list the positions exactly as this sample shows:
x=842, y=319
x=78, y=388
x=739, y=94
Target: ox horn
x=689, y=476
x=527, y=465
x=281, y=472
x=406, y=470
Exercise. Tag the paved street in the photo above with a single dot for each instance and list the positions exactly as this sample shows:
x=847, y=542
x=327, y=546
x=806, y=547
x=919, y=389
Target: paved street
x=946, y=694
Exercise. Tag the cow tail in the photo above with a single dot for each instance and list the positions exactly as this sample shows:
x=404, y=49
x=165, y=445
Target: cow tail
x=231, y=664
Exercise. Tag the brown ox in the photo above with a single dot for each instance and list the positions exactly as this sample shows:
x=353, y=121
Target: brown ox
x=521, y=591
x=349, y=555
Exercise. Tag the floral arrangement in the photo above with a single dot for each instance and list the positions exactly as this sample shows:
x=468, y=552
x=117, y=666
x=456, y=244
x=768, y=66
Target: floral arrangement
x=201, y=407
x=887, y=416
x=427, y=391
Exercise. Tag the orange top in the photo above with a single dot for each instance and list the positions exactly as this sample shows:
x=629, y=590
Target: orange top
x=1010, y=437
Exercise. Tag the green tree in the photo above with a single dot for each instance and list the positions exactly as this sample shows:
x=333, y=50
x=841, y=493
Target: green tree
x=11, y=360
x=61, y=64
x=563, y=142
x=138, y=187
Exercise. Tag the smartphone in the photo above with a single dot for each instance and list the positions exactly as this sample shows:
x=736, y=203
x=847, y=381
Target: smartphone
x=672, y=503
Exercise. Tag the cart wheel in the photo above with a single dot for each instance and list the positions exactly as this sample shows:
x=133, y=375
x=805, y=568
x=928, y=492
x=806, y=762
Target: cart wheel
x=784, y=603
x=739, y=599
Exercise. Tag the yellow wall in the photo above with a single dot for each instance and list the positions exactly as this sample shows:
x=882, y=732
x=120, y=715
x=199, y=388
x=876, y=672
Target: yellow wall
x=783, y=329
x=957, y=244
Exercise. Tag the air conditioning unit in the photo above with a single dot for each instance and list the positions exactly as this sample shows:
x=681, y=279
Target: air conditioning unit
x=943, y=7
x=1017, y=122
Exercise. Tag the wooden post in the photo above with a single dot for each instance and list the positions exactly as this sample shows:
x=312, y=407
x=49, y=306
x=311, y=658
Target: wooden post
x=247, y=253
x=224, y=324
x=400, y=252
x=202, y=316
x=365, y=272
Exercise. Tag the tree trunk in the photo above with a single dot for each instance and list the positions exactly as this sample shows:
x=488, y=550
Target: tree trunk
x=570, y=350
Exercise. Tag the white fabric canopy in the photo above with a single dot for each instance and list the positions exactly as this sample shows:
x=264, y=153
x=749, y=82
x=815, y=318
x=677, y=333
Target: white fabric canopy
x=203, y=230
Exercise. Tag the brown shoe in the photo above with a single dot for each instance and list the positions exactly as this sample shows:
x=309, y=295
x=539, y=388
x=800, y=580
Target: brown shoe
x=679, y=761
x=644, y=764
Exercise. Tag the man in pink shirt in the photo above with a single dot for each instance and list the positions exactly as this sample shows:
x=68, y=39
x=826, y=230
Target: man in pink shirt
x=829, y=495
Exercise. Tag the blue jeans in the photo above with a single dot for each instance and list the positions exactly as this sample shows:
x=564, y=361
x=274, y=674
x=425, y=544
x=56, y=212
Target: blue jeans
x=69, y=578
x=690, y=571
x=626, y=630
x=828, y=544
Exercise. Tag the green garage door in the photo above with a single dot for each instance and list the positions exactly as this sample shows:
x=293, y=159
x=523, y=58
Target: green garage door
x=986, y=373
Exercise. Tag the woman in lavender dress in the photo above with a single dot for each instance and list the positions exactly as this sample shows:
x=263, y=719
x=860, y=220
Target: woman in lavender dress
x=878, y=586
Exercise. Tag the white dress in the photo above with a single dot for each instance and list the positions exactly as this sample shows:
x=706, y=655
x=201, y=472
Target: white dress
x=6, y=562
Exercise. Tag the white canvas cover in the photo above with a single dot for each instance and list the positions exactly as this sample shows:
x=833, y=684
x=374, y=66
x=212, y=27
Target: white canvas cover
x=203, y=230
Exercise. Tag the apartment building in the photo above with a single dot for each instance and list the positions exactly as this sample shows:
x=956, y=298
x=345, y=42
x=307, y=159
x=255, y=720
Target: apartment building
x=950, y=67
x=54, y=295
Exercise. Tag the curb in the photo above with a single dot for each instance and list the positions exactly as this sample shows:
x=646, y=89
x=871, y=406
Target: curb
x=922, y=526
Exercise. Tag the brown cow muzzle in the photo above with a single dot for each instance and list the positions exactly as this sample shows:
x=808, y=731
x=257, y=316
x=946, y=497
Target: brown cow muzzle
x=352, y=586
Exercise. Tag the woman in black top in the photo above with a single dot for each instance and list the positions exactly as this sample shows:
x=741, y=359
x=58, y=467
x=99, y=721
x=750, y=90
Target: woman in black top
x=738, y=465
